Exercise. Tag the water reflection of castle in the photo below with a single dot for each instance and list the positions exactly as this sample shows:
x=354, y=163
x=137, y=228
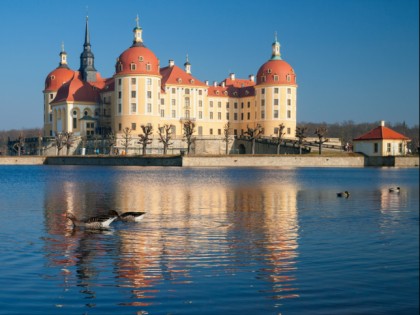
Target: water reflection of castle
x=193, y=224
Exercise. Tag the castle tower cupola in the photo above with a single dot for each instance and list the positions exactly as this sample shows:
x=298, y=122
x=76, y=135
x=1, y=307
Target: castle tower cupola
x=187, y=66
x=87, y=59
x=63, y=58
x=275, y=55
x=138, y=40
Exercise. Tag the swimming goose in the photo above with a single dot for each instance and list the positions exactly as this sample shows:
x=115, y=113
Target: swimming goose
x=131, y=216
x=96, y=223
x=345, y=194
x=394, y=189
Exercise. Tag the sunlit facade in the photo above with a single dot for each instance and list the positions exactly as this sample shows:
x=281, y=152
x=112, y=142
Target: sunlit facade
x=143, y=92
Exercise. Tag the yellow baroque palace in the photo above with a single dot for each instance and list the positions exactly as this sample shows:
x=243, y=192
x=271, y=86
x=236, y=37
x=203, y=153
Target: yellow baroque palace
x=142, y=92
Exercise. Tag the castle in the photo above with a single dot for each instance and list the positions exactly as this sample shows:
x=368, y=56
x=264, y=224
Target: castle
x=142, y=92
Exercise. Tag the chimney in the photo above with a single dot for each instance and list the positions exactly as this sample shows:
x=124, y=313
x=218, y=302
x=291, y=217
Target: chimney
x=382, y=123
x=214, y=83
x=251, y=77
x=171, y=63
x=223, y=84
x=206, y=82
x=232, y=76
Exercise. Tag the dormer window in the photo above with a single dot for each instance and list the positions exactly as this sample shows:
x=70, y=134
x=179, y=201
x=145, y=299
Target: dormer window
x=269, y=71
x=288, y=78
x=148, y=67
x=120, y=67
x=263, y=78
x=132, y=66
x=276, y=77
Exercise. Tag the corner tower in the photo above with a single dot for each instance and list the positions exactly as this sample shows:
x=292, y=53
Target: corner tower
x=87, y=59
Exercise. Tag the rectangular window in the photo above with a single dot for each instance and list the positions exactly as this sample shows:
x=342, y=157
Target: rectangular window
x=50, y=117
x=276, y=102
x=248, y=115
x=262, y=114
x=211, y=115
x=173, y=101
x=149, y=107
x=289, y=102
x=289, y=114
x=149, y=94
x=119, y=127
x=162, y=113
x=276, y=90
x=289, y=91
x=200, y=130
x=219, y=131
x=263, y=103
x=276, y=113
x=289, y=131
x=235, y=132
x=211, y=131
x=162, y=101
x=133, y=94
x=149, y=81
x=242, y=104
x=235, y=105
x=227, y=116
x=235, y=116
x=227, y=104
x=133, y=126
x=173, y=113
x=249, y=104
x=375, y=147
x=262, y=91
x=51, y=96
x=211, y=103
x=200, y=92
x=219, y=104
x=133, y=80
x=200, y=103
x=219, y=115
x=173, y=90
x=388, y=147
x=200, y=115
x=119, y=94
x=133, y=107
x=400, y=148
x=119, y=108
x=74, y=123
x=242, y=116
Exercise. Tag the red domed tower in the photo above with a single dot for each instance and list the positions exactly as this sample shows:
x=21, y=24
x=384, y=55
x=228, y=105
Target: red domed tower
x=137, y=86
x=54, y=80
x=275, y=94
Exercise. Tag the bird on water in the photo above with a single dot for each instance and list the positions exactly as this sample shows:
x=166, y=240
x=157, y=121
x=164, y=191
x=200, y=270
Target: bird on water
x=394, y=189
x=344, y=194
x=131, y=216
x=95, y=223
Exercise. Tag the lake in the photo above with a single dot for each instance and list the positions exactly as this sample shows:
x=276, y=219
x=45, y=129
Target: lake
x=213, y=241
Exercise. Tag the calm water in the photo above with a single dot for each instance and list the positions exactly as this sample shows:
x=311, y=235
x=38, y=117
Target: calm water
x=214, y=241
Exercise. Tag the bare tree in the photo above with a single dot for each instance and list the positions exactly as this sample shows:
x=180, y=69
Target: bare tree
x=189, y=129
x=300, y=134
x=253, y=134
x=321, y=132
x=20, y=143
x=145, y=137
x=165, y=136
x=68, y=141
x=278, y=139
x=110, y=141
x=59, y=141
x=126, y=138
x=226, y=130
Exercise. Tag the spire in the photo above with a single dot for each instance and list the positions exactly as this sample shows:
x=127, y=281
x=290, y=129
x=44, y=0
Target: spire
x=187, y=66
x=275, y=55
x=87, y=59
x=137, y=41
x=63, y=57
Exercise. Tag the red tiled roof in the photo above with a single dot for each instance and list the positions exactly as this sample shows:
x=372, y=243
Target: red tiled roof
x=280, y=68
x=56, y=78
x=175, y=75
x=77, y=90
x=381, y=132
x=136, y=60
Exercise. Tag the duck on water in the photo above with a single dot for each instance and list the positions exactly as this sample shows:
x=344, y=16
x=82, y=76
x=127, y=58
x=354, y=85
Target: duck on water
x=95, y=223
x=344, y=194
x=131, y=216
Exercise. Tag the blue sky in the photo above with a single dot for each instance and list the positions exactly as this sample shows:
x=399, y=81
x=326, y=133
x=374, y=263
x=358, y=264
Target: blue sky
x=354, y=59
